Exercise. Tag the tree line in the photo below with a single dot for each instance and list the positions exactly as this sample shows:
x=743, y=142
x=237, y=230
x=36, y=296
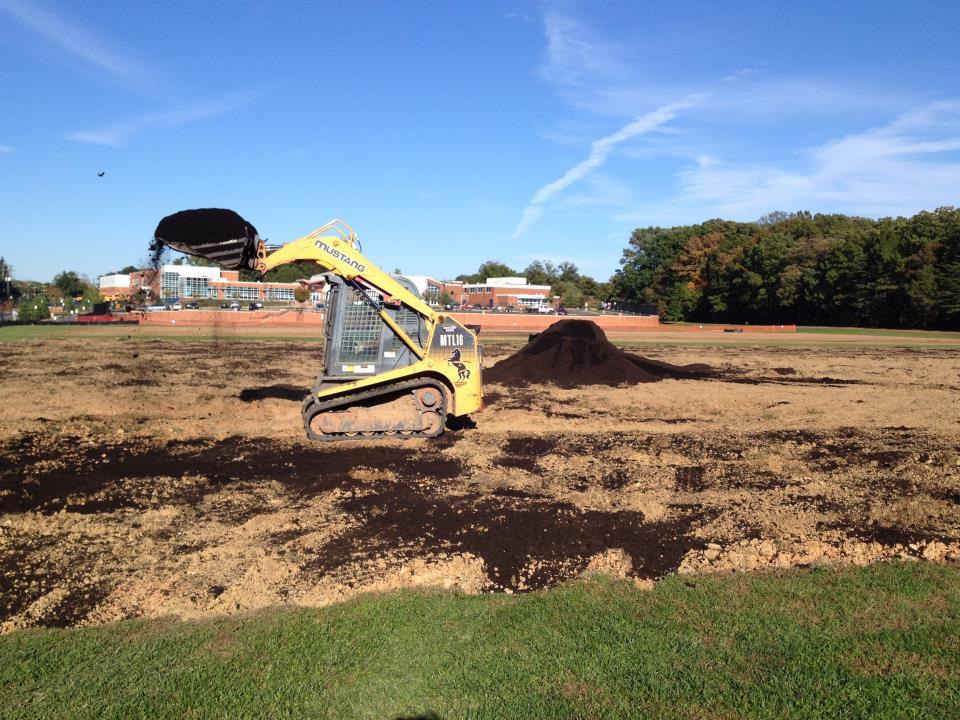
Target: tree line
x=800, y=268
x=32, y=299
x=823, y=269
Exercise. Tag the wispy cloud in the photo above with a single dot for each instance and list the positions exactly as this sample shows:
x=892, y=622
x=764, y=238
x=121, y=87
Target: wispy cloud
x=7, y=149
x=604, y=77
x=909, y=164
x=121, y=133
x=599, y=152
x=83, y=44
x=575, y=56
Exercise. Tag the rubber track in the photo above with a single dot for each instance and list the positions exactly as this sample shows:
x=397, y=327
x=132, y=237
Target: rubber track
x=311, y=408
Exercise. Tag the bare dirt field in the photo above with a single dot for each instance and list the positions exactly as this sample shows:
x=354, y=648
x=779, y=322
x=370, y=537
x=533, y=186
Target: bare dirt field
x=150, y=477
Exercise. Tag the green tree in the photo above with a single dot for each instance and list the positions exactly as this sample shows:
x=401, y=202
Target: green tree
x=301, y=294
x=541, y=273
x=799, y=267
x=33, y=309
x=69, y=283
x=566, y=281
x=570, y=294
x=445, y=298
x=488, y=269
x=568, y=272
x=7, y=290
x=291, y=272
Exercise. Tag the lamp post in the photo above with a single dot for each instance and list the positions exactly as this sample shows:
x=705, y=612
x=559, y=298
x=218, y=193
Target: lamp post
x=7, y=278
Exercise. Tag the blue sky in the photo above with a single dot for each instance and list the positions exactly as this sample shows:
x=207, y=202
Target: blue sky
x=452, y=133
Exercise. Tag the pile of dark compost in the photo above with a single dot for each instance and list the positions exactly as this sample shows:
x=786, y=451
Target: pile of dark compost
x=571, y=353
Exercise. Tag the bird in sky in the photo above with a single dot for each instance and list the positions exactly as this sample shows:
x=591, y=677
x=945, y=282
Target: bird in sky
x=101, y=174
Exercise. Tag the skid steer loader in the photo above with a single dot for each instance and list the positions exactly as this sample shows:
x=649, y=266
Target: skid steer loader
x=393, y=366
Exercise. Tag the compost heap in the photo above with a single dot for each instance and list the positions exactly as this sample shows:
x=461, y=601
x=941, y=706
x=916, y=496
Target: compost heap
x=571, y=353
x=217, y=234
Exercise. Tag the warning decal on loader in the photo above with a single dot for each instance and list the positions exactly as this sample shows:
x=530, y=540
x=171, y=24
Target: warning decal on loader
x=360, y=369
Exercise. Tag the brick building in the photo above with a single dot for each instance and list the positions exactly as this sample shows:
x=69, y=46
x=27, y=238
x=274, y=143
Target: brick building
x=194, y=282
x=431, y=290
x=493, y=292
x=507, y=292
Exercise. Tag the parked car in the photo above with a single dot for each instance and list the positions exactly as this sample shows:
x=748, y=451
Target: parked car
x=545, y=309
x=155, y=308
x=191, y=306
x=176, y=306
x=234, y=305
x=320, y=306
x=256, y=306
x=561, y=311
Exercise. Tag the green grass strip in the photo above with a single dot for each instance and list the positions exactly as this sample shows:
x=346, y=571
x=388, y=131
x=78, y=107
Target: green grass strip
x=878, y=642
x=945, y=334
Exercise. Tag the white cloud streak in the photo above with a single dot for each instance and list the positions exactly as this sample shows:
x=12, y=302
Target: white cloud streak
x=599, y=152
x=7, y=149
x=120, y=134
x=81, y=43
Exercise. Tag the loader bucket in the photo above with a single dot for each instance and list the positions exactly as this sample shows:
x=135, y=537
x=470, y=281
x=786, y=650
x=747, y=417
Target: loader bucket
x=218, y=235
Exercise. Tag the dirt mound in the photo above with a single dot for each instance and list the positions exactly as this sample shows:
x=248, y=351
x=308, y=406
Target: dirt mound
x=571, y=353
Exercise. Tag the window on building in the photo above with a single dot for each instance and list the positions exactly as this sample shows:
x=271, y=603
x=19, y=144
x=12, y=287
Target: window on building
x=169, y=285
x=195, y=287
x=280, y=294
x=242, y=293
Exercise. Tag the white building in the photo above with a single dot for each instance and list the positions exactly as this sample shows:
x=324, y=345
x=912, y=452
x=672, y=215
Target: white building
x=190, y=281
x=116, y=281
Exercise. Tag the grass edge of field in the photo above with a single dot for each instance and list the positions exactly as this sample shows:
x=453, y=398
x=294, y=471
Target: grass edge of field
x=822, y=642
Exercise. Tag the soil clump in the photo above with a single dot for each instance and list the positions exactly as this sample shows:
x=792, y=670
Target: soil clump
x=572, y=353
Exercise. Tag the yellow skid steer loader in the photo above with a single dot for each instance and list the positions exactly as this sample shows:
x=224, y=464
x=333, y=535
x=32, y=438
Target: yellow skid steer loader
x=393, y=366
